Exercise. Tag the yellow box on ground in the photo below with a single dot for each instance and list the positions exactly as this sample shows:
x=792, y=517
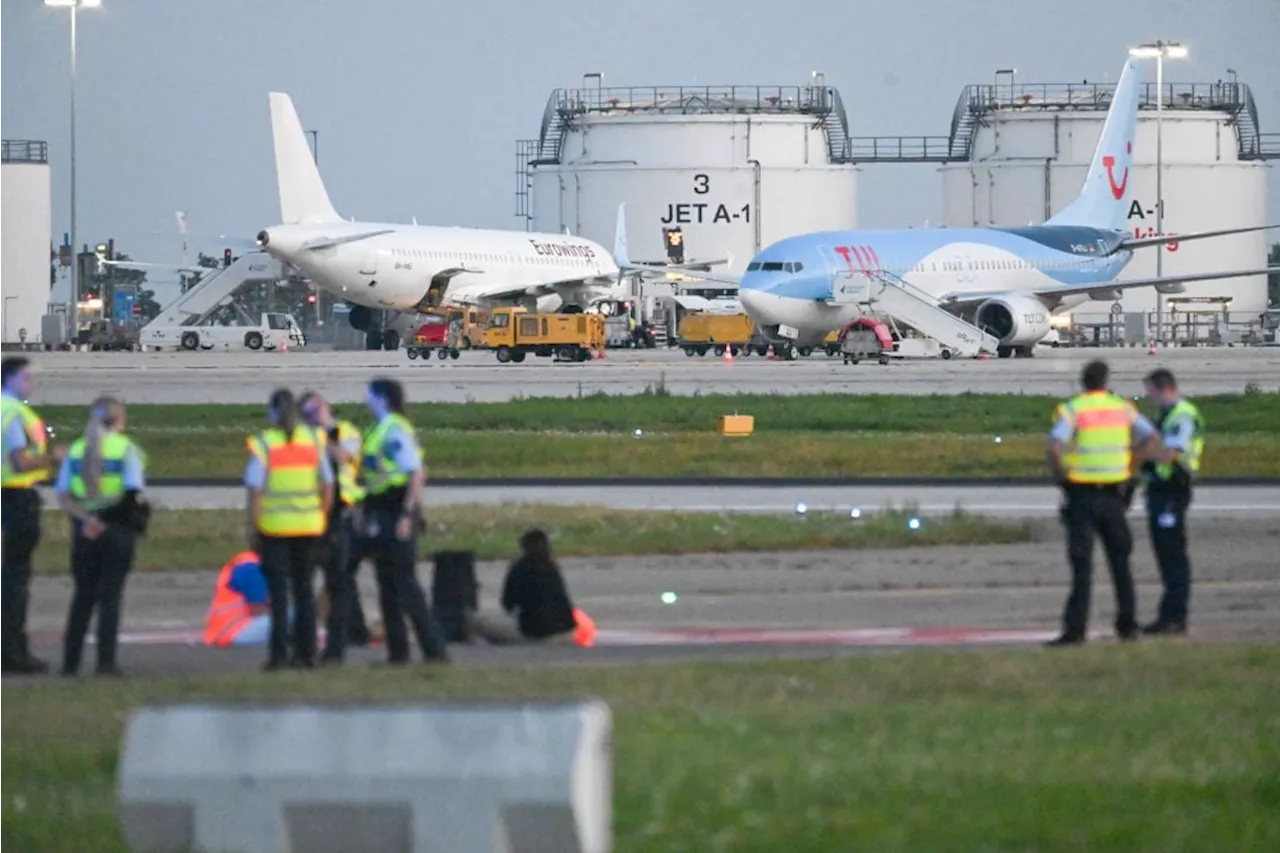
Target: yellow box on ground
x=737, y=424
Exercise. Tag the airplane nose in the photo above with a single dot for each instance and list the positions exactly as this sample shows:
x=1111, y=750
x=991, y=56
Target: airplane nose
x=756, y=303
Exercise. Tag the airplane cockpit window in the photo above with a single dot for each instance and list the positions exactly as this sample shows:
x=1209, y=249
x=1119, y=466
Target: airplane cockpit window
x=753, y=266
x=772, y=266
x=793, y=266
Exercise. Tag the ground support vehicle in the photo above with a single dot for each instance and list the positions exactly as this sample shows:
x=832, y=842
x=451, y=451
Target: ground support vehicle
x=514, y=333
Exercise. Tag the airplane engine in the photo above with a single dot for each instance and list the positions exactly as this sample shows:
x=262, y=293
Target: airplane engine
x=360, y=317
x=1018, y=321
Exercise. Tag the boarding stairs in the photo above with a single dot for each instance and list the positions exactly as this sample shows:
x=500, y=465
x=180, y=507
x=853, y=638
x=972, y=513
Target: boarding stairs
x=216, y=289
x=885, y=293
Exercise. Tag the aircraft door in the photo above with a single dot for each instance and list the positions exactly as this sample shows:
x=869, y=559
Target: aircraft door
x=844, y=276
x=369, y=266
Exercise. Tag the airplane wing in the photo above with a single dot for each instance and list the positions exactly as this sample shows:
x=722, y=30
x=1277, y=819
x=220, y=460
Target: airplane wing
x=179, y=267
x=1142, y=242
x=703, y=275
x=1110, y=290
x=328, y=242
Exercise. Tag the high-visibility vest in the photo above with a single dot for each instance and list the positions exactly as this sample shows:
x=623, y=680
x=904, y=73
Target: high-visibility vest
x=115, y=449
x=1189, y=459
x=37, y=443
x=348, y=473
x=378, y=468
x=291, y=502
x=1101, y=450
x=229, y=613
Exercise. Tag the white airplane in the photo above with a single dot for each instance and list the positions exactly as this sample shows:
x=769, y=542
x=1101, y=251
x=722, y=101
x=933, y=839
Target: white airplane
x=408, y=268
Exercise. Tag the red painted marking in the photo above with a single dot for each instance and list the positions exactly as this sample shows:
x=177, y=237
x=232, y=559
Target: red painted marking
x=875, y=259
x=864, y=260
x=868, y=637
x=1117, y=190
x=843, y=251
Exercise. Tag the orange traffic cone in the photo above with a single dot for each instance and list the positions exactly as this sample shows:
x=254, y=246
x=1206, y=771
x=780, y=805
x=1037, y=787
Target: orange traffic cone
x=584, y=633
x=771, y=356
x=284, y=344
x=1151, y=348
x=728, y=355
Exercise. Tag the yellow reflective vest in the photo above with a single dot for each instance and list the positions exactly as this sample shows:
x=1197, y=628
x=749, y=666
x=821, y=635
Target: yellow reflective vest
x=378, y=468
x=1188, y=459
x=1101, y=450
x=291, y=501
x=115, y=449
x=37, y=443
x=348, y=473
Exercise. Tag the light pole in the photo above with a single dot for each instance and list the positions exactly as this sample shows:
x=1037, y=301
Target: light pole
x=74, y=6
x=1158, y=50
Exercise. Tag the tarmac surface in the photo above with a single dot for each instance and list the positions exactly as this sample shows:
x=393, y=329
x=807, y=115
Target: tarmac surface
x=767, y=604
x=249, y=377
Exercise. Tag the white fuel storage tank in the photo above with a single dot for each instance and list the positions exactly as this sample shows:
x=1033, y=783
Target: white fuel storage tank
x=1031, y=145
x=734, y=167
x=26, y=229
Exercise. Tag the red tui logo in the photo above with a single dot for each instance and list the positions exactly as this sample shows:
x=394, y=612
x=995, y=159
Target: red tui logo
x=1109, y=162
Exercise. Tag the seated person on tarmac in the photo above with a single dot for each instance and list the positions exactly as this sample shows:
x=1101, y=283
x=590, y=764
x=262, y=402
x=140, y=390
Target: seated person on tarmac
x=240, y=614
x=535, y=603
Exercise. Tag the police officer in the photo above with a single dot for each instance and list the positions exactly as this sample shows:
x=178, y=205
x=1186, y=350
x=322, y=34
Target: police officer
x=1169, y=479
x=27, y=460
x=392, y=473
x=339, y=555
x=290, y=483
x=99, y=488
x=1091, y=449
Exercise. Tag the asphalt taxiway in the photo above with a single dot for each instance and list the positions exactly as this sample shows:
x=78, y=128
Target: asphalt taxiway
x=1001, y=501
x=246, y=377
x=822, y=602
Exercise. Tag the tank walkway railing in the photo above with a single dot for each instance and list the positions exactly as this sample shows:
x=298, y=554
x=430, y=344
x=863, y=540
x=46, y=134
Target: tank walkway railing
x=977, y=101
x=565, y=105
x=25, y=151
x=898, y=149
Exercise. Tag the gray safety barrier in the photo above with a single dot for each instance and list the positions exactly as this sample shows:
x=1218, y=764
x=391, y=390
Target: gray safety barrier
x=517, y=778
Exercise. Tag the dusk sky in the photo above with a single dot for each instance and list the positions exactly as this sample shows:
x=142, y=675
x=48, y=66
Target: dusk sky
x=418, y=104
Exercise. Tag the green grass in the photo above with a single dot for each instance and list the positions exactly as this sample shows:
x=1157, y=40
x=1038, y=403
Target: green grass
x=181, y=540
x=814, y=436
x=1160, y=748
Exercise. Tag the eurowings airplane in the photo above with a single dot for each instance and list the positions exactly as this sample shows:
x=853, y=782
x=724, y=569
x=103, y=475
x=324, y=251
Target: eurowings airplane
x=1006, y=281
x=409, y=268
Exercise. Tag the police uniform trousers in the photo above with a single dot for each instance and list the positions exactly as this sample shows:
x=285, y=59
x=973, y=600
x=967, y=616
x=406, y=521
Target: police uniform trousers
x=340, y=556
x=1097, y=510
x=400, y=595
x=20, y=518
x=1167, y=520
x=288, y=564
x=99, y=569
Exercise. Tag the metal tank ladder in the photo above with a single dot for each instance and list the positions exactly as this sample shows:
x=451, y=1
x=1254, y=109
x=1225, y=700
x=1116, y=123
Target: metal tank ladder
x=886, y=293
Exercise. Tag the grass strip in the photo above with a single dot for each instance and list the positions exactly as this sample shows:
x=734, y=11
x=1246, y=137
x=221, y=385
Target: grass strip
x=1148, y=749
x=962, y=414
x=182, y=540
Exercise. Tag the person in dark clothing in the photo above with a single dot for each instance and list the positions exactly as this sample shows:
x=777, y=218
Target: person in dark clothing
x=535, y=603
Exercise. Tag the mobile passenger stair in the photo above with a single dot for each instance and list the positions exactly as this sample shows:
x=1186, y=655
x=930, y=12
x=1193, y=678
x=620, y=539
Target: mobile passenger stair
x=216, y=288
x=883, y=292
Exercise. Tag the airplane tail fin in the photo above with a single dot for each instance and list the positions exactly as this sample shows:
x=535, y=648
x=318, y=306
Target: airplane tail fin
x=620, y=256
x=1103, y=200
x=303, y=198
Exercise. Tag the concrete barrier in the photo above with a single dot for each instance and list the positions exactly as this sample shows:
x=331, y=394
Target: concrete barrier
x=517, y=778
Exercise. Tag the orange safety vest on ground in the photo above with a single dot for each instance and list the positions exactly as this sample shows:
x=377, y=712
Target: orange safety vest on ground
x=229, y=613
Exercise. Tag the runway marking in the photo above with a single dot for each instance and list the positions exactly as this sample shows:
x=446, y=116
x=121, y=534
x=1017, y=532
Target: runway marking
x=868, y=637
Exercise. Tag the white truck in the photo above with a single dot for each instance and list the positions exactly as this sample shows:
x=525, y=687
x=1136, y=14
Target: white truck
x=270, y=332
